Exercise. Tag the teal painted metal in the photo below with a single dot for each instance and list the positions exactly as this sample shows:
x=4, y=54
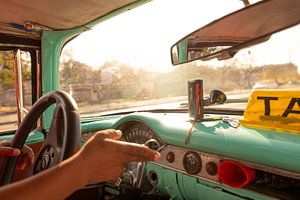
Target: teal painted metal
x=34, y=137
x=52, y=44
x=269, y=148
x=167, y=180
x=191, y=188
x=99, y=123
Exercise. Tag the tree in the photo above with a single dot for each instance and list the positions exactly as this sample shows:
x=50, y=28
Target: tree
x=74, y=72
x=281, y=73
x=7, y=68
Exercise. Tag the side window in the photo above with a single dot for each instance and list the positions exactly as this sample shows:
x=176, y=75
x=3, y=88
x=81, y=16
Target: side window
x=8, y=82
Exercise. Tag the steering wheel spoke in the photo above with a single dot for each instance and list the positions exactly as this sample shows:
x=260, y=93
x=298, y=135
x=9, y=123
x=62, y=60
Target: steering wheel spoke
x=51, y=152
x=62, y=140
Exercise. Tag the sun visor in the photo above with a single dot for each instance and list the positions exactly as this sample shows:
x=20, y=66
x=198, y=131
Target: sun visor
x=273, y=110
x=57, y=14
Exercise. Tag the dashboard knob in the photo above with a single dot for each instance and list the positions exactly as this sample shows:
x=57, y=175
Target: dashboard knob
x=170, y=157
x=211, y=168
x=152, y=144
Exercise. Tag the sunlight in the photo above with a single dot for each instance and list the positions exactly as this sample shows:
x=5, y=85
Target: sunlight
x=142, y=37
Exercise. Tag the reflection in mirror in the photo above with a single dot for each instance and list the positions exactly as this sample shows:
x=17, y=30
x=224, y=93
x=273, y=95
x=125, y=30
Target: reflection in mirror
x=223, y=38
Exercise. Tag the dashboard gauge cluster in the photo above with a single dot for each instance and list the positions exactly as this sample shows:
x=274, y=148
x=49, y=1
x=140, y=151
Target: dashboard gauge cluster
x=193, y=163
x=140, y=133
x=135, y=132
x=197, y=164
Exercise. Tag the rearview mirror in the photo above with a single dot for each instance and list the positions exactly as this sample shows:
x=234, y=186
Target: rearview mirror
x=223, y=38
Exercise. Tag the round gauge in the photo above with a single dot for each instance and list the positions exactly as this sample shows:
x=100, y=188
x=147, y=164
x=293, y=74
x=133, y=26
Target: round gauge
x=211, y=168
x=192, y=162
x=139, y=133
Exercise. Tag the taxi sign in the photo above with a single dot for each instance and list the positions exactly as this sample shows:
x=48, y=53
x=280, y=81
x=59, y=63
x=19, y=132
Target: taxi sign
x=273, y=110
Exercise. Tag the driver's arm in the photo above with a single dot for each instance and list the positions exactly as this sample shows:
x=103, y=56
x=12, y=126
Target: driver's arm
x=102, y=158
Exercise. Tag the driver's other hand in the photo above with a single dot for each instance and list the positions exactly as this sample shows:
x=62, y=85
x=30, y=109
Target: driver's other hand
x=26, y=156
x=103, y=157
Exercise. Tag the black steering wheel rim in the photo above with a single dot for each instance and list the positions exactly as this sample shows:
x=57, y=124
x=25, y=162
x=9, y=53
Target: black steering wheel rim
x=70, y=141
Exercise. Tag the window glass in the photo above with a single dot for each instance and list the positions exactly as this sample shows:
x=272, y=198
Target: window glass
x=124, y=64
x=8, y=108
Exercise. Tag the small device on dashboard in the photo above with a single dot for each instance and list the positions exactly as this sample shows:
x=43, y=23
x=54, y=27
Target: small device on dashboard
x=195, y=99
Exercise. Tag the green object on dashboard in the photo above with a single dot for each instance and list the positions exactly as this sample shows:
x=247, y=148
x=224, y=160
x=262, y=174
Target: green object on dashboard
x=183, y=186
x=216, y=137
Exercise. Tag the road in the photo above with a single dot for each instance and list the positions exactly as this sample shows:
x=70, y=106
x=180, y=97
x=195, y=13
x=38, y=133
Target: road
x=8, y=120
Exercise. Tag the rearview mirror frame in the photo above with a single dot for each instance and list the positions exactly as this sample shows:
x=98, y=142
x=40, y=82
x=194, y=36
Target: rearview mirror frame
x=209, y=45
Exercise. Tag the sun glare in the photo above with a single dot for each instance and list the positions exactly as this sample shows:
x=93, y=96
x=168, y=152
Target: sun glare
x=142, y=37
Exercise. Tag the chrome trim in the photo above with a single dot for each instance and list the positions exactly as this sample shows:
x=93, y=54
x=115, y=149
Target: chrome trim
x=179, y=153
x=19, y=85
x=177, y=165
x=38, y=74
x=25, y=110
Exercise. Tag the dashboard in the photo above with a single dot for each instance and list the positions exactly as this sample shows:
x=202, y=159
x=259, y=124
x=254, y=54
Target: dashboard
x=190, y=171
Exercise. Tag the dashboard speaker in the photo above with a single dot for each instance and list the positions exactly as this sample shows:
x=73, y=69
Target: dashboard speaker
x=195, y=99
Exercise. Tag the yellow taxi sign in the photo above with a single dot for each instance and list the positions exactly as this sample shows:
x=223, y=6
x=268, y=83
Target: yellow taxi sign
x=274, y=110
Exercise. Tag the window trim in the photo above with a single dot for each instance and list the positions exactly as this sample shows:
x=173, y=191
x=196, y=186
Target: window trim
x=35, y=76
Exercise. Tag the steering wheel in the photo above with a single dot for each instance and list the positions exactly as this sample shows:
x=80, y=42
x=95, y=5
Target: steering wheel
x=62, y=139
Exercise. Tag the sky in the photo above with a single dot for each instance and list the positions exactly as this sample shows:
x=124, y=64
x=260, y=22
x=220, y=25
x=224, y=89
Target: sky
x=142, y=37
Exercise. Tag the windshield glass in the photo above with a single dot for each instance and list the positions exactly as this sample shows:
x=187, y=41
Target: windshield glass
x=124, y=63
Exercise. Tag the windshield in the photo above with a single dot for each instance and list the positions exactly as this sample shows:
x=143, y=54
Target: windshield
x=124, y=63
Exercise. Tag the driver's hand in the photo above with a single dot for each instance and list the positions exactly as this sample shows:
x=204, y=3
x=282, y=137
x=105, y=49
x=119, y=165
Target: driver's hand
x=26, y=156
x=103, y=157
